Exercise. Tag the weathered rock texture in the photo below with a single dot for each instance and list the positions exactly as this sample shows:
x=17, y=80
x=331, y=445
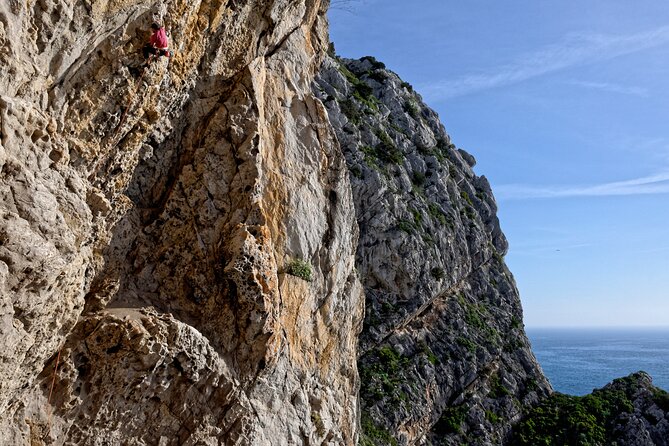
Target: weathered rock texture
x=444, y=357
x=647, y=423
x=147, y=218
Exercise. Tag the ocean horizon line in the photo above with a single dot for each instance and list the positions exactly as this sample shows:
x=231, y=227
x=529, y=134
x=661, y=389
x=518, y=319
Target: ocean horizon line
x=598, y=327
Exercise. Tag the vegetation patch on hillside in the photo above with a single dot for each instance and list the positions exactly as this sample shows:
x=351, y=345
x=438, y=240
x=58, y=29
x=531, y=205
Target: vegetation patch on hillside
x=381, y=376
x=373, y=435
x=588, y=420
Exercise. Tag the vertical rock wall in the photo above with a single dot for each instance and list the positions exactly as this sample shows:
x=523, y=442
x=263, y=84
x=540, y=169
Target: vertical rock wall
x=147, y=221
x=179, y=243
x=444, y=357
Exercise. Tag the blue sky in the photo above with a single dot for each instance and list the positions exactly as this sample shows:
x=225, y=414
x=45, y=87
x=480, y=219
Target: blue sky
x=565, y=106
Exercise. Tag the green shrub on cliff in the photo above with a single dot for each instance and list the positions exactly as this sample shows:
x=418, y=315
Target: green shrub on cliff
x=376, y=65
x=373, y=435
x=381, y=376
x=451, y=421
x=386, y=150
x=579, y=421
x=300, y=268
x=362, y=92
x=661, y=398
x=350, y=110
x=411, y=107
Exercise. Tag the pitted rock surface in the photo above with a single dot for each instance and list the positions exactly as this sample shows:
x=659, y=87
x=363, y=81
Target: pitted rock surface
x=177, y=195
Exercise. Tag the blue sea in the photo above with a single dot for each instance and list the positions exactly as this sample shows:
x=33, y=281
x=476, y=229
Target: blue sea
x=576, y=361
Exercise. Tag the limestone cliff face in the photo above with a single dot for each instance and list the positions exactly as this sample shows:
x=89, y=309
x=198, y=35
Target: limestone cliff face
x=187, y=250
x=147, y=221
x=444, y=357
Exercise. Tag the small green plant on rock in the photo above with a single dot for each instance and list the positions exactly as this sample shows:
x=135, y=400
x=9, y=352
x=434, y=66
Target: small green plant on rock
x=356, y=171
x=418, y=178
x=491, y=416
x=466, y=343
x=437, y=273
x=387, y=308
x=406, y=226
x=512, y=345
x=436, y=213
x=497, y=388
x=378, y=75
x=399, y=130
x=373, y=435
x=429, y=353
x=318, y=423
x=417, y=217
x=350, y=110
x=376, y=65
x=443, y=146
x=412, y=109
x=452, y=171
x=386, y=150
x=451, y=421
x=465, y=196
x=362, y=92
x=473, y=317
x=371, y=157
x=300, y=268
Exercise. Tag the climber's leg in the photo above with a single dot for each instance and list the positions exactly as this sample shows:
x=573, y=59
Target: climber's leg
x=148, y=50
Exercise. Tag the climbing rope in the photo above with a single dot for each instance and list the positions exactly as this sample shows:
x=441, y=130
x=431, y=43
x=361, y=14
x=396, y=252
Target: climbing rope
x=124, y=115
x=132, y=98
x=53, y=382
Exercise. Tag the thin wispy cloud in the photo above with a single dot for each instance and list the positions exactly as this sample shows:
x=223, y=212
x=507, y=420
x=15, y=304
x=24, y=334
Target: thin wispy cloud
x=657, y=148
x=653, y=184
x=611, y=88
x=654, y=250
x=575, y=49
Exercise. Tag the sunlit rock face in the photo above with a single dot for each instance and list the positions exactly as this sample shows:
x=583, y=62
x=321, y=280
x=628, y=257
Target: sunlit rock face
x=187, y=249
x=443, y=354
x=147, y=221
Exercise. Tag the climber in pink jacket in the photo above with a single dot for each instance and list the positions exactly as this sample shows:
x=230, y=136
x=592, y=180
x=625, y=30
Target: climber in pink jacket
x=158, y=44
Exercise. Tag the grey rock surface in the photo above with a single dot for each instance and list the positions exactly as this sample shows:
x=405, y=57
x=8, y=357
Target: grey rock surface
x=444, y=357
x=648, y=423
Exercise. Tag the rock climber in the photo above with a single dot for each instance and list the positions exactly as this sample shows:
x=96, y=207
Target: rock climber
x=158, y=44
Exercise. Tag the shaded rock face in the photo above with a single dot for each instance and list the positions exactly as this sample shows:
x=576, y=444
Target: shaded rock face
x=147, y=218
x=648, y=422
x=443, y=355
